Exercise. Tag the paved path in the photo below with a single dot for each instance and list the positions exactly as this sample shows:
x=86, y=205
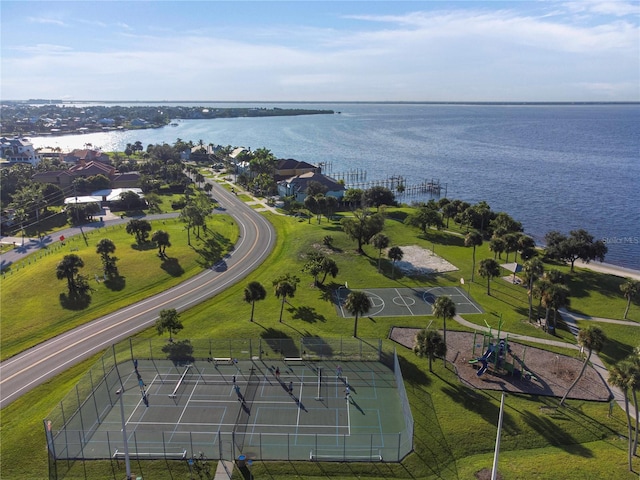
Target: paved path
x=21, y=373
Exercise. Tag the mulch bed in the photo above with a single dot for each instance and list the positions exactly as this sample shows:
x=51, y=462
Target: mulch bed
x=551, y=373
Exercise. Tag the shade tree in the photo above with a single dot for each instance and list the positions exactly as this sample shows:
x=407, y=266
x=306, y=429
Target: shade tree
x=630, y=290
x=169, y=321
x=161, y=238
x=140, y=229
x=579, y=245
x=363, y=226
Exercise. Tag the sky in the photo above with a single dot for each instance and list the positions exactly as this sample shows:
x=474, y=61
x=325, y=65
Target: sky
x=330, y=51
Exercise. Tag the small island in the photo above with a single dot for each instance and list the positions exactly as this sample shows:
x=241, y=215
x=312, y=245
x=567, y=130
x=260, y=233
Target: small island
x=35, y=119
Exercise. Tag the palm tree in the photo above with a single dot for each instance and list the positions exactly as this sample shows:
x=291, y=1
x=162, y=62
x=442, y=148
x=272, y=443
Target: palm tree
x=473, y=239
x=162, y=240
x=380, y=241
x=592, y=338
x=285, y=286
x=619, y=376
x=630, y=290
x=559, y=299
x=357, y=303
x=139, y=228
x=68, y=268
x=253, y=292
x=634, y=385
x=104, y=248
x=429, y=343
x=532, y=269
x=497, y=246
x=489, y=269
x=328, y=267
x=395, y=254
x=445, y=308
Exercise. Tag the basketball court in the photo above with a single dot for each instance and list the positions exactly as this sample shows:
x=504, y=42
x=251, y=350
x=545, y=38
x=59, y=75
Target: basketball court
x=402, y=302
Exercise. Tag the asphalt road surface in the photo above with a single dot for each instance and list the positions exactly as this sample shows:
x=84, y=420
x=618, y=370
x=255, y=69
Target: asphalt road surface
x=25, y=371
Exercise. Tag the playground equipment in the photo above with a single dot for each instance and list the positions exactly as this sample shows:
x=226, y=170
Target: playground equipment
x=494, y=352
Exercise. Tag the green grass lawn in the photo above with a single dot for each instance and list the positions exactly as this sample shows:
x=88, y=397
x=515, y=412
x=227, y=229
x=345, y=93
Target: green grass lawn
x=455, y=426
x=27, y=319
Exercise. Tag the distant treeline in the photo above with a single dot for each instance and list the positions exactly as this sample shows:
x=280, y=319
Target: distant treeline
x=24, y=118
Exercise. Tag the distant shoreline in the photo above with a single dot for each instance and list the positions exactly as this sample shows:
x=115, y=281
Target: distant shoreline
x=318, y=102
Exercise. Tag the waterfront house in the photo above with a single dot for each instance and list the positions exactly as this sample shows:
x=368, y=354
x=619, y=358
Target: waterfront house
x=18, y=150
x=297, y=186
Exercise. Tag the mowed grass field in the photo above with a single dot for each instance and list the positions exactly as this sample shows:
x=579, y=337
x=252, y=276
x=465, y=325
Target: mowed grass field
x=455, y=426
x=30, y=292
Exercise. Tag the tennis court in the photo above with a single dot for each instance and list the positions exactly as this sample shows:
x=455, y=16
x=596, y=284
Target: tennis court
x=269, y=410
x=401, y=302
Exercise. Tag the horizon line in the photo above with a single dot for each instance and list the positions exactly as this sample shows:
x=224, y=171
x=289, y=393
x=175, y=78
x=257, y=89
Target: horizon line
x=397, y=102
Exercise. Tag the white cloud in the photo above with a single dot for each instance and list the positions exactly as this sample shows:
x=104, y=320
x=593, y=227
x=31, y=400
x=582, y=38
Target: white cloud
x=47, y=20
x=618, y=8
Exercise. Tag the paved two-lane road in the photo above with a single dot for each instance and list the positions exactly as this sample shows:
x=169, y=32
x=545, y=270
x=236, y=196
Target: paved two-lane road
x=32, y=367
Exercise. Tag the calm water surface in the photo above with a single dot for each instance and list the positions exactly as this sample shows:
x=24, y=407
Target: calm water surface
x=550, y=167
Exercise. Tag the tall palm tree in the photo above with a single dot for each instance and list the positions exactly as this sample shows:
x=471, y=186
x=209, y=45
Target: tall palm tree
x=429, y=343
x=497, y=246
x=395, y=254
x=634, y=385
x=328, y=267
x=380, y=241
x=619, y=376
x=68, y=268
x=252, y=293
x=473, y=239
x=592, y=338
x=630, y=290
x=489, y=269
x=554, y=298
x=357, y=303
x=162, y=240
x=532, y=269
x=444, y=307
x=285, y=286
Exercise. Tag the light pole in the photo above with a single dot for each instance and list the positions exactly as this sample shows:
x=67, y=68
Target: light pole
x=496, y=453
x=120, y=393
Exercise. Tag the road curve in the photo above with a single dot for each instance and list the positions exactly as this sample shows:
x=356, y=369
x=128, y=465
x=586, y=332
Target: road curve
x=27, y=370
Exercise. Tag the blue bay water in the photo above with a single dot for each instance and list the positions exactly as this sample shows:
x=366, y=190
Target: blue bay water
x=552, y=167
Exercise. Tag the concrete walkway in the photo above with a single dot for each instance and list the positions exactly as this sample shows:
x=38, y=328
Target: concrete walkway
x=224, y=470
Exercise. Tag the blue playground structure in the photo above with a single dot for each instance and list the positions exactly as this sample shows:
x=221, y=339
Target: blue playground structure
x=495, y=353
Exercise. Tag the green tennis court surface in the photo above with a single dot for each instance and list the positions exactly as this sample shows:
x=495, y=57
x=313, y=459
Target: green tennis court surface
x=401, y=302
x=198, y=408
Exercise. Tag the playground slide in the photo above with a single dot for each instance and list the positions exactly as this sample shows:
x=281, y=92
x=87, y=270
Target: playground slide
x=484, y=359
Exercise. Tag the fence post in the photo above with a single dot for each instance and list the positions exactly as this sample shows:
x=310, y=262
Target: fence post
x=399, y=444
x=131, y=348
x=79, y=409
x=219, y=445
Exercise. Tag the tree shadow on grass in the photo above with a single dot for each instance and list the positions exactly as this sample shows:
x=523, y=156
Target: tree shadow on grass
x=214, y=246
x=472, y=400
x=553, y=433
x=306, y=314
x=276, y=343
x=412, y=373
x=172, y=267
x=115, y=284
x=75, y=302
x=144, y=246
x=315, y=345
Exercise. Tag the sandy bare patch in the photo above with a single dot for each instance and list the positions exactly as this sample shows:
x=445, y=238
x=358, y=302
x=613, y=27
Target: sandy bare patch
x=420, y=261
